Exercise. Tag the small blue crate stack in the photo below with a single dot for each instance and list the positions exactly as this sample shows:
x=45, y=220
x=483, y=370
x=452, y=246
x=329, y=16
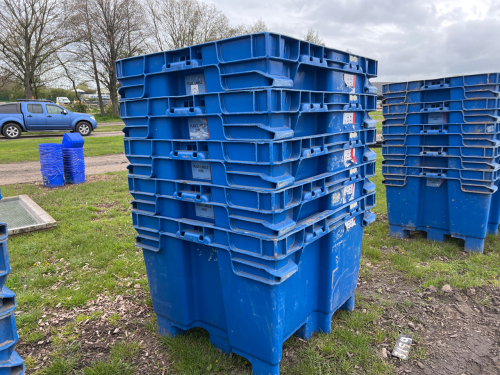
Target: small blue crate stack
x=51, y=163
x=73, y=158
x=249, y=170
x=10, y=362
x=442, y=152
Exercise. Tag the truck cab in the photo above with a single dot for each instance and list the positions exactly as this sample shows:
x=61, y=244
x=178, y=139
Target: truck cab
x=42, y=115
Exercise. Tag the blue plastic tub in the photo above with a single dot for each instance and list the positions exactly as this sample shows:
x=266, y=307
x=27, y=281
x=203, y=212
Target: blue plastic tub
x=440, y=95
x=246, y=222
x=74, y=165
x=51, y=162
x=8, y=336
x=194, y=285
x=484, y=130
x=13, y=366
x=439, y=207
x=469, y=107
x=250, y=102
x=441, y=117
x=246, y=152
x=494, y=215
x=472, y=82
x=442, y=140
x=484, y=177
x=72, y=140
x=75, y=178
x=243, y=199
x=256, y=245
x=251, y=176
x=197, y=125
x=5, y=267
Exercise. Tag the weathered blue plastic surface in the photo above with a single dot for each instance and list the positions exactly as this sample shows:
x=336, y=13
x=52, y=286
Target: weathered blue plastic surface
x=256, y=244
x=442, y=117
x=252, y=176
x=244, y=221
x=249, y=102
x=12, y=366
x=471, y=82
x=255, y=201
x=440, y=95
x=246, y=152
x=8, y=336
x=72, y=140
x=494, y=215
x=469, y=107
x=437, y=160
x=442, y=140
x=437, y=206
x=251, y=308
x=5, y=267
x=250, y=61
x=479, y=176
x=491, y=130
x=262, y=126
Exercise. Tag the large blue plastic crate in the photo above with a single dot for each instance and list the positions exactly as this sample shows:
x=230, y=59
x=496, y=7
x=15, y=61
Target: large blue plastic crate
x=256, y=60
x=442, y=117
x=440, y=162
x=488, y=154
x=469, y=107
x=252, y=176
x=474, y=82
x=257, y=126
x=213, y=79
x=8, y=336
x=442, y=140
x=151, y=228
x=252, y=308
x=439, y=207
x=249, y=102
x=427, y=96
x=244, y=199
x=5, y=267
x=244, y=221
x=246, y=152
x=483, y=130
x=481, y=177
x=494, y=215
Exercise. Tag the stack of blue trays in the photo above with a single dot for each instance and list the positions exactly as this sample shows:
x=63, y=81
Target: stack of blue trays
x=74, y=159
x=249, y=166
x=10, y=362
x=442, y=153
x=51, y=163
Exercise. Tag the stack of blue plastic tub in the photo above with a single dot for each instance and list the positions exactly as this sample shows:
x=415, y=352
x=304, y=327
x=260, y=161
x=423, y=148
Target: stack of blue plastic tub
x=73, y=158
x=51, y=162
x=442, y=152
x=248, y=167
x=10, y=362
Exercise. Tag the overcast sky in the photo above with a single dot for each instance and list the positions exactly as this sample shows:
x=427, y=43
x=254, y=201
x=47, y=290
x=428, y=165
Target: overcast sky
x=411, y=39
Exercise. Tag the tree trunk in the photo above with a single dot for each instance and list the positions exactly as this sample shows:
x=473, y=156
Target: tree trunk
x=28, y=91
x=113, y=92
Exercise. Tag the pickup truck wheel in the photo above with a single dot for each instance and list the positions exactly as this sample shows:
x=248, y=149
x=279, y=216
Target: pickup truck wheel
x=83, y=128
x=11, y=131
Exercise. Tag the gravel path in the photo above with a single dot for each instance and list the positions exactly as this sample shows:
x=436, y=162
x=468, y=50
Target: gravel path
x=24, y=172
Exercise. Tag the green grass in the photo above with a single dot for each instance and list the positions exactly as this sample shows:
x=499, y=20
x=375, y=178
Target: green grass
x=377, y=116
x=27, y=149
x=100, y=118
x=91, y=252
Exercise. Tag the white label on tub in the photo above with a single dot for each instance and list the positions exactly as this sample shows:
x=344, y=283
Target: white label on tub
x=348, y=193
x=195, y=84
x=349, y=157
x=436, y=118
x=354, y=58
x=353, y=135
x=353, y=206
x=350, y=80
x=205, y=210
x=349, y=118
x=198, y=128
x=353, y=171
x=351, y=223
x=353, y=98
x=490, y=129
x=201, y=170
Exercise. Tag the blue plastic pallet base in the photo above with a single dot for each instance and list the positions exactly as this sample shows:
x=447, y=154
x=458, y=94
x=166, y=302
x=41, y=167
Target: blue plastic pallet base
x=472, y=244
x=12, y=366
x=197, y=286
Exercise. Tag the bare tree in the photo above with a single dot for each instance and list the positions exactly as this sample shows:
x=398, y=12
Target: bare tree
x=117, y=31
x=32, y=33
x=313, y=37
x=180, y=23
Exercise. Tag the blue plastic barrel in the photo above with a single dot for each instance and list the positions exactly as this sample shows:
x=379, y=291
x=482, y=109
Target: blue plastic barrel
x=51, y=162
x=74, y=165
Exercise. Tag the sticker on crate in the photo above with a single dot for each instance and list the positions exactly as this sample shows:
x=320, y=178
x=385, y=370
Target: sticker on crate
x=205, y=210
x=350, y=81
x=349, y=118
x=198, y=128
x=201, y=170
x=437, y=118
x=353, y=98
x=195, y=84
x=353, y=171
x=353, y=135
x=349, y=157
x=353, y=205
x=350, y=223
x=402, y=347
x=349, y=193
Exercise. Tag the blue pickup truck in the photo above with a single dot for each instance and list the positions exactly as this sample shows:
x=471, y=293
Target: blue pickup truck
x=42, y=115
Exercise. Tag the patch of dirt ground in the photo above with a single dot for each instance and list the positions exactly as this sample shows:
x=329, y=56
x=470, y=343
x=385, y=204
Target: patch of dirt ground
x=460, y=329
